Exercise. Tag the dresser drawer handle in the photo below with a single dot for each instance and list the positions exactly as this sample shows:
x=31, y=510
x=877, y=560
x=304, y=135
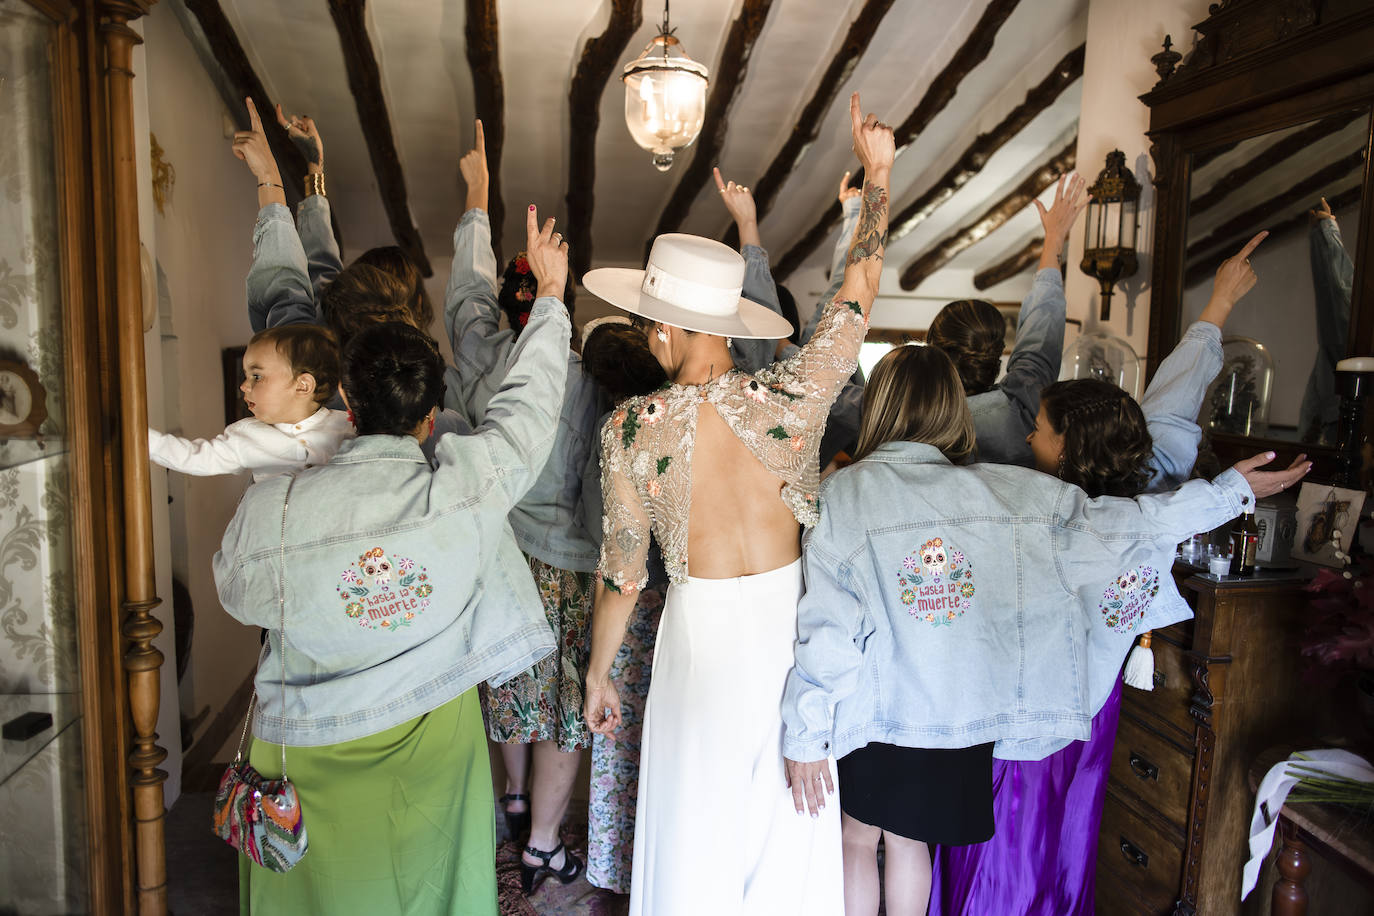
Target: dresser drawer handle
x=1133, y=854
x=1143, y=768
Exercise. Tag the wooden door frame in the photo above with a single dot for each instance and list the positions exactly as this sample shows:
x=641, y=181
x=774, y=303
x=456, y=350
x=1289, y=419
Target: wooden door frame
x=90, y=45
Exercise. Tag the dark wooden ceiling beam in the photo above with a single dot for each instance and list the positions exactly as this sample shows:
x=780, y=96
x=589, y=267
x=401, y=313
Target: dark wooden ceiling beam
x=242, y=81
x=808, y=126
x=600, y=55
x=1041, y=96
x=942, y=89
x=1305, y=191
x=365, y=82
x=1009, y=267
x=1269, y=157
x=727, y=79
x=489, y=102
x=992, y=219
x=1204, y=268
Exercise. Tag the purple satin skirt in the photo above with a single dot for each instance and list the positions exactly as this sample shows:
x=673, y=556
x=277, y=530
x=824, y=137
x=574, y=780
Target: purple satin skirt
x=1042, y=860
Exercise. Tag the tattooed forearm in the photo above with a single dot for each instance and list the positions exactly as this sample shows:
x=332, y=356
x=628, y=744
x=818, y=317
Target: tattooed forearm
x=309, y=147
x=870, y=237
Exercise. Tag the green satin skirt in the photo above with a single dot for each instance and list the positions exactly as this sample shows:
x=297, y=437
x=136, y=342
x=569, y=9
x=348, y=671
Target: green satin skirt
x=400, y=822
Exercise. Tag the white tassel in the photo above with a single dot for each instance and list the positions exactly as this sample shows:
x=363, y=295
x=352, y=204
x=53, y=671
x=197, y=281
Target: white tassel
x=1140, y=666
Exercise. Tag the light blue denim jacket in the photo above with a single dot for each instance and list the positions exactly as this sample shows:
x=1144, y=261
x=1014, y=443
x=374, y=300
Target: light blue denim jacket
x=842, y=427
x=951, y=606
x=1170, y=405
x=1004, y=416
x=317, y=238
x=549, y=520
x=400, y=592
x=1333, y=277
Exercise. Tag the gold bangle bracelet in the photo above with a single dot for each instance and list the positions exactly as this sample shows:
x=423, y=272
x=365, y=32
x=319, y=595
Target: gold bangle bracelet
x=314, y=184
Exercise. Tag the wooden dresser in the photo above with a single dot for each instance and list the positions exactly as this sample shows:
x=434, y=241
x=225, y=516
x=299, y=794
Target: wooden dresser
x=1178, y=806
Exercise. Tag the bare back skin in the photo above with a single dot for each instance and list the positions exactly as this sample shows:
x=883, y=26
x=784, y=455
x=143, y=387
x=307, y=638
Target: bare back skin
x=739, y=525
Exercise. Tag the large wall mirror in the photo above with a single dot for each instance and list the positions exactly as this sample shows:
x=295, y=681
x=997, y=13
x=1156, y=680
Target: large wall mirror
x=1269, y=115
x=1282, y=342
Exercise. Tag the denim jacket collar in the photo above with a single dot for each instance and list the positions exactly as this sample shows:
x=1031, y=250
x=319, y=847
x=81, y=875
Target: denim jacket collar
x=369, y=448
x=904, y=452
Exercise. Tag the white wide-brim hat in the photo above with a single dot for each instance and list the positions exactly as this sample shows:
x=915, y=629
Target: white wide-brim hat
x=692, y=283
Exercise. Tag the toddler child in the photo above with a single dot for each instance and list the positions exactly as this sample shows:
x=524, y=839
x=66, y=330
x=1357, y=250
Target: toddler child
x=290, y=373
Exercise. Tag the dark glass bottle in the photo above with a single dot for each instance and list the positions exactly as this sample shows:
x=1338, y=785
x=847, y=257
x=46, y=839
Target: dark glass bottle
x=1244, y=544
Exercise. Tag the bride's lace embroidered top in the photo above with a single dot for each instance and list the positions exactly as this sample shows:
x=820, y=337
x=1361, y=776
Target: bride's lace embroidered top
x=778, y=413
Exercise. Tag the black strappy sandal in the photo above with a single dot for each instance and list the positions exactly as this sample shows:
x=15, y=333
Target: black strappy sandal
x=517, y=822
x=531, y=876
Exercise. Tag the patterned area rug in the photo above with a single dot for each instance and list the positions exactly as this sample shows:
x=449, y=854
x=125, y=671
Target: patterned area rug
x=552, y=898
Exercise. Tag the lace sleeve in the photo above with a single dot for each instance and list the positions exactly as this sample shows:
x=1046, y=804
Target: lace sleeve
x=813, y=376
x=625, y=516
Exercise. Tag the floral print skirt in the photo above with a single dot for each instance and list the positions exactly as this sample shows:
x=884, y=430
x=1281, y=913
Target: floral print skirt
x=545, y=702
x=615, y=764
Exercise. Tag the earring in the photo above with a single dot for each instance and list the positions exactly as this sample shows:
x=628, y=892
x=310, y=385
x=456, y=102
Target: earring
x=729, y=342
x=662, y=336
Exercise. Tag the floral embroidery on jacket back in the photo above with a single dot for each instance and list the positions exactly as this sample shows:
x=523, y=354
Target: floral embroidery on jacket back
x=778, y=413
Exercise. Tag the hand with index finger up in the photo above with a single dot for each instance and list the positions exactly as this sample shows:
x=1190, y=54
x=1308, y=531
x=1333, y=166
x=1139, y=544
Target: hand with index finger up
x=251, y=146
x=473, y=166
x=873, y=142
x=1235, y=277
x=547, y=255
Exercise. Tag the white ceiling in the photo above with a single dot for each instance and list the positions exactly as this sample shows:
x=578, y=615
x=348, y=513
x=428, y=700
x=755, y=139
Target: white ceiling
x=294, y=48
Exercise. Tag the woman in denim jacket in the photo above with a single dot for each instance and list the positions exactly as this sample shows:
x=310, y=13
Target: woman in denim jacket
x=1048, y=792
x=377, y=637
x=932, y=628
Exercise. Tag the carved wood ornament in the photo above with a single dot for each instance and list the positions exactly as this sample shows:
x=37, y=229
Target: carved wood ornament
x=598, y=61
x=1020, y=197
x=141, y=660
x=365, y=82
x=808, y=126
x=726, y=81
x=971, y=53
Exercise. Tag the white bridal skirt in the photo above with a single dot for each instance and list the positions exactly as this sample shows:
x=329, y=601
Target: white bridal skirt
x=716, y=832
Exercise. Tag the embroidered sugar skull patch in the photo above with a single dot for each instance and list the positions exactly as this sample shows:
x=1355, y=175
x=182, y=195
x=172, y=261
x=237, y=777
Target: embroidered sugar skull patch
x=936, y=583
x=1125, y=601
x=381, y=592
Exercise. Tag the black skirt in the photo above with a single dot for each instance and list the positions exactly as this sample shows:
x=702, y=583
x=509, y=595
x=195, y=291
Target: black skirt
x=933, y=795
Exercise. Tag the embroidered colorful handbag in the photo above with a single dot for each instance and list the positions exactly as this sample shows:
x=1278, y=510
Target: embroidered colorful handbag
x=261, y=818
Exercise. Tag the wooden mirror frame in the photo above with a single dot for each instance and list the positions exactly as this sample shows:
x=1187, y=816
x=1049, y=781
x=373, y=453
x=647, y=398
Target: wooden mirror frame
x=1259, y=66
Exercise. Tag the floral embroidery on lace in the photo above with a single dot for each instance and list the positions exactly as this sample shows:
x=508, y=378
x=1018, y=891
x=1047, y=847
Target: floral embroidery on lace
x=778, y=413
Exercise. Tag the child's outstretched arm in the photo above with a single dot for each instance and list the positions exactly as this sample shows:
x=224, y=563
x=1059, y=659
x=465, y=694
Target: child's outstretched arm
x=199, y=457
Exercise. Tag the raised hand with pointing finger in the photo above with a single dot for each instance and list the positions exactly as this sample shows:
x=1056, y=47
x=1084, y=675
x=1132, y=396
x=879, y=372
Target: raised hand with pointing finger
x=1235, y=277
x=473, y=167
x=251, y=146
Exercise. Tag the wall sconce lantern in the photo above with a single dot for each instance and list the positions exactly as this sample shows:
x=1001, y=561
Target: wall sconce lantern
x=665, y=97
x=1110, y=230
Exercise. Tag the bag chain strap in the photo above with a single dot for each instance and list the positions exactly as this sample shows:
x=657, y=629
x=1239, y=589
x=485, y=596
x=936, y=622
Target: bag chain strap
x=281, y=602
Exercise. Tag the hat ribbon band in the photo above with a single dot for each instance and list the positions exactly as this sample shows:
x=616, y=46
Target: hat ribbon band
x=688, y=294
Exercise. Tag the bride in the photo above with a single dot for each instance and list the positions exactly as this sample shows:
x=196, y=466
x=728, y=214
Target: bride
x=721, y=467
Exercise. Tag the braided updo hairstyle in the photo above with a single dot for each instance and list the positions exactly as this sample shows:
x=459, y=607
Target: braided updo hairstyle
x=1107, y=444
x=973, y=334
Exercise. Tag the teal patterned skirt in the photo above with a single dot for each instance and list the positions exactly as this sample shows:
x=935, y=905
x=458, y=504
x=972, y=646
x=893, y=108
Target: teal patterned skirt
x=545, y=702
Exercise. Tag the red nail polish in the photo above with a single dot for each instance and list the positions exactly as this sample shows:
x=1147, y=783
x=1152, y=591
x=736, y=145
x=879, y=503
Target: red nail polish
x=531, y=206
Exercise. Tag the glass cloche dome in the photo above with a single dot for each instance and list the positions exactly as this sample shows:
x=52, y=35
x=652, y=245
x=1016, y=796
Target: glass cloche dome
x=1238, y=401
x=1104, y=357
